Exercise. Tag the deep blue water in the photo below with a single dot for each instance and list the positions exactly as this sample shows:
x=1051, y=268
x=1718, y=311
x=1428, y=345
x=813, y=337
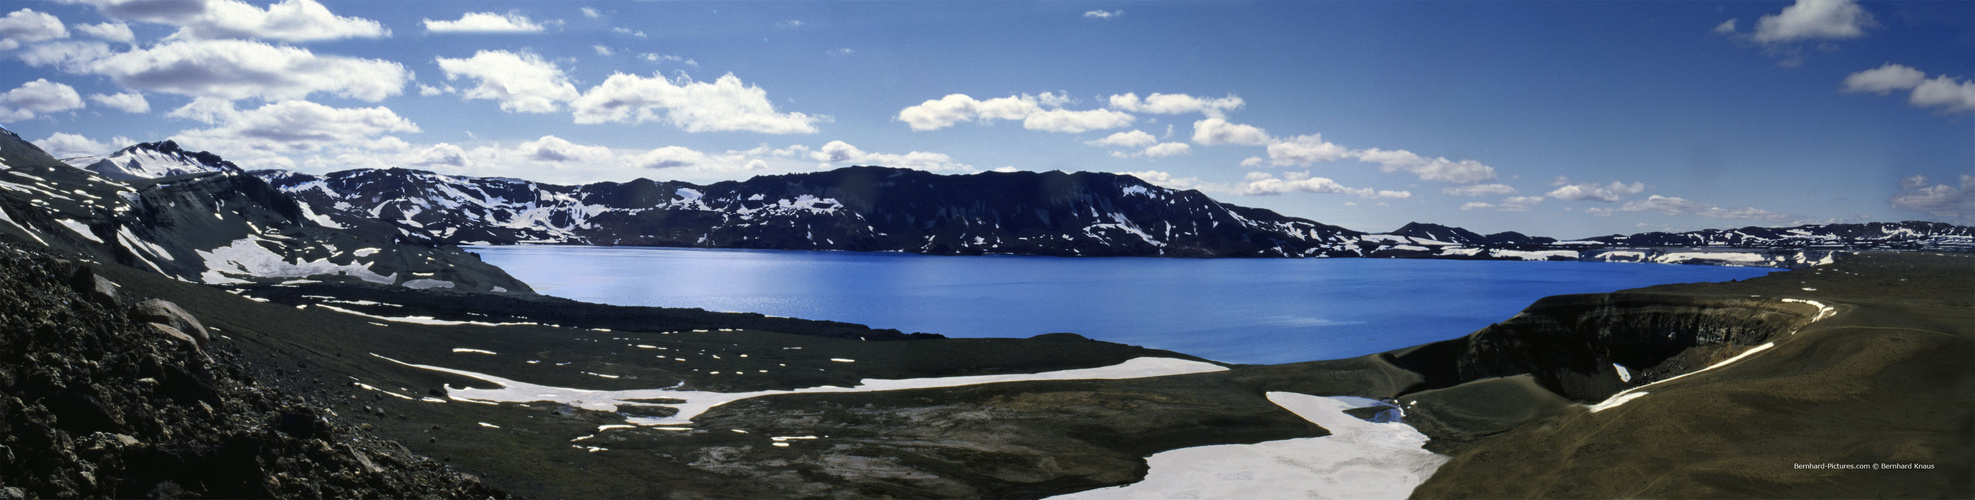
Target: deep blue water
x=1233, y=310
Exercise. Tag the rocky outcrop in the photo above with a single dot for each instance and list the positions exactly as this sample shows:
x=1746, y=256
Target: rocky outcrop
x=1574, y=345
x=93, y=404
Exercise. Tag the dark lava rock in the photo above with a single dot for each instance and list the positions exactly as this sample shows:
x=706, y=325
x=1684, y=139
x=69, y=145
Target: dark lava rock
x=95, y=404
x=166, y=313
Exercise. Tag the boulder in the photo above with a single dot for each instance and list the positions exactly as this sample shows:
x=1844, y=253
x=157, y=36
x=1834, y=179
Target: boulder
x=94, y=288
x=164, y=312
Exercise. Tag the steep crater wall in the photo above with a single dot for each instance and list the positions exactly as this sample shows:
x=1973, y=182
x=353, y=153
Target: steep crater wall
x=1569, y=344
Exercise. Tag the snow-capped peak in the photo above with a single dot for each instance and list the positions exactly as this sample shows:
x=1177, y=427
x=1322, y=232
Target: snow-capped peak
x=152, y=160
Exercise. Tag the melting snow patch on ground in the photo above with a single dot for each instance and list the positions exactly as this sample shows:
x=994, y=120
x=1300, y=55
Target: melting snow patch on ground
x=1634, y=393
x=1359, y=459
x=246, y=258
x=697, y=402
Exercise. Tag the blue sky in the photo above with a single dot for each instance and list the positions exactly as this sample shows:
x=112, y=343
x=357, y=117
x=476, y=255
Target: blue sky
x=1560, y=119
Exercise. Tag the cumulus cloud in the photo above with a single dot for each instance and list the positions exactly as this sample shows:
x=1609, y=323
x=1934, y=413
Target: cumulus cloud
x=1172, y=104
x=26, y=26
x=485, y=22
x=67, y=145
x=1940, y=200
x=1884, y=79
x=725, y=104
x=954, y=108
x=1103, y=14
x=69, y=56
x=260, y=136
x=591, y=13
x=1608, y=193
x=290, y=20
x=1265, y=184
x=1432, y=169
x=1131, y=139
x=1214, y=131
x=1072, y=122
x=1304, y=150
x=1168, y=180
x=1949, y=94
x=1480, y=190
x=552, y=149
x=840, y=153
x=239, y=69
x=1726, y=27
x=521, y=82
x=37, y=98
x=1159, y=150
x=1510, y=204
x=115, y=32
x=1680, y=206
x=1814, y=19
x=128, y=102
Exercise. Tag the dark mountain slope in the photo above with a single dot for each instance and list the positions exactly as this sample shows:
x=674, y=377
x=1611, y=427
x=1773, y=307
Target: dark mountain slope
x=216, y=227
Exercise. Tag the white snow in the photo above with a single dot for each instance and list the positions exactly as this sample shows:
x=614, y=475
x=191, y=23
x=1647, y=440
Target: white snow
x=1823, y=311
x=1636, y=392
x=1678, y=257
x=478, y=351
x=696, y=402
x=247, y=257
x=1359, y=459
x=422, y=284
x=364, y=252
x=1624, y=375
x=421, y=320
x=80, y=229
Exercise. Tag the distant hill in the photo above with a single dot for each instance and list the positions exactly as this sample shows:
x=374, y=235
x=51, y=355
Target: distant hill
x=151, y=160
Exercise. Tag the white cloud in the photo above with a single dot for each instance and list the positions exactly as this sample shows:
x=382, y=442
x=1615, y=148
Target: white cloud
x=591, y=13
x=1103, y=14
x=1480, y=190
x=1726, y=27
x=1304, y=150
x=1952, y=95
x=1072, y=122
x=1172, y=104
x=1131, y=139
x=26, y=26
x=1810, y=19
x=552, y=149
x=265, y=136
x=1949, y=94
x=37, y=98
x=1512, y=204
x=523, y=82
x=725, y=104
x=69, y=56
x=789, y=24
x=485, y=22
x=1265, y=184
x=1167, y=180
x=1167, y=149
x=128, y=102
x=1160, y=150
x=839, y=52
x=1884, y=79
x=839, y=152
x=1213, y=131
x=1607, y=193
x=66, y=145
x=1940, y=200
x=238, y=69
x=661, y=58
x=944, y=112
x=601, y=50
x=1680, y=206
x=115, y=32
x=1432, y=169
x=290, y=20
